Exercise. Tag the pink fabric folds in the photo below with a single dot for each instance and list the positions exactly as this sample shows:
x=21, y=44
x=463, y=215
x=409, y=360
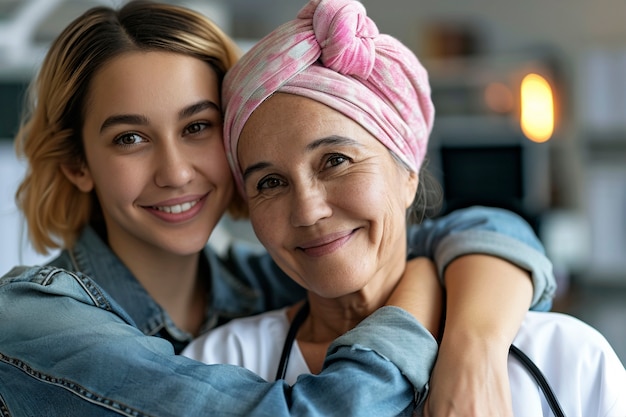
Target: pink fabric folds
x=333, y=53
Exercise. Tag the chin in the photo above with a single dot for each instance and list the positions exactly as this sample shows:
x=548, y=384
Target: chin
x=185, y=247
x=338, y=292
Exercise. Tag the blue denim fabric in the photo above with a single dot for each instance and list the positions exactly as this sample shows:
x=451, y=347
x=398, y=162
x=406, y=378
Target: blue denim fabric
x=88, y=340
x=245, y=283
x=82, y=356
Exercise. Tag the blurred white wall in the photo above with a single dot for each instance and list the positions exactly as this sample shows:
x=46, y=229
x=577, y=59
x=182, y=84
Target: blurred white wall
x=14, y=247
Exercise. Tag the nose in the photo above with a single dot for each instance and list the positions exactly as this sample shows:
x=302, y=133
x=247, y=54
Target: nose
x=174, y=166
x=309, y=204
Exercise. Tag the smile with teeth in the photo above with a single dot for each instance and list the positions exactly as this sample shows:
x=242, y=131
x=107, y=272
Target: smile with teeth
x=177, y=208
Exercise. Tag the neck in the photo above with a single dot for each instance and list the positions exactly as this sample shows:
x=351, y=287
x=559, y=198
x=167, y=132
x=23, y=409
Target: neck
x=173, y=282
x=330, y=318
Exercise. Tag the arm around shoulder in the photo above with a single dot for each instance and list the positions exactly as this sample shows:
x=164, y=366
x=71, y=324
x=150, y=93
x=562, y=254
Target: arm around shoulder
x=67, y=347
x=487, y=231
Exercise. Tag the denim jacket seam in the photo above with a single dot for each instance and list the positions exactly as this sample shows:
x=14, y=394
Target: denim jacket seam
x=75, y=388
x=4, y=410
x=96, y=295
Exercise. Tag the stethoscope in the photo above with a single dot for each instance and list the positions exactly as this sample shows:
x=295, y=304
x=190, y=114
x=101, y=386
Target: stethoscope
x=302, y=314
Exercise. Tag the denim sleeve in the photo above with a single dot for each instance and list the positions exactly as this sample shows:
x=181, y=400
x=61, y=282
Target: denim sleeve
x=67, y=349
x=489, y=231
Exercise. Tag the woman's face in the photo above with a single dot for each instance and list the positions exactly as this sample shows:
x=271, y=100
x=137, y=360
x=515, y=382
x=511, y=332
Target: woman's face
x=325, y=197
x=154, y=154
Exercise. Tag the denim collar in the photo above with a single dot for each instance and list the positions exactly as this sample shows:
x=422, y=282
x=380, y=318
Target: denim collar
x=229, y=295
x=93, y=257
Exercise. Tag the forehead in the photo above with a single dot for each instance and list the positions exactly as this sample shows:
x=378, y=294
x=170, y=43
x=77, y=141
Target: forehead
x=286, y=106
x=135, y=80
x=290, y=118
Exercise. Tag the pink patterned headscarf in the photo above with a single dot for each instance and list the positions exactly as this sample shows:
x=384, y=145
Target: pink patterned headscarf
x=333, y=53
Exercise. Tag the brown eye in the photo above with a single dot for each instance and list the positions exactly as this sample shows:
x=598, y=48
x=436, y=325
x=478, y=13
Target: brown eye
x=268, y=183
x=128, y=139
x=196, y=127
x=336, y=159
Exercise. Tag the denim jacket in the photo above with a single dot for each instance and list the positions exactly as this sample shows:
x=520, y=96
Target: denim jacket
x=81, y=336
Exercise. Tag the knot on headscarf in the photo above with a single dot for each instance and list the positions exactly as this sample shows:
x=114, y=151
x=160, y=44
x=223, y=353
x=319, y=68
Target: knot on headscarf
x=345, y=35
x=333, y=53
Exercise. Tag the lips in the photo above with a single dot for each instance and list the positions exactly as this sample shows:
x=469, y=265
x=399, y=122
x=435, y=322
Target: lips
x=177, y=208
x=327, y=244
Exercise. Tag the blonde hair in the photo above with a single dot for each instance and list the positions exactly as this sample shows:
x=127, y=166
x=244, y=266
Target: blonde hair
x=50, y=133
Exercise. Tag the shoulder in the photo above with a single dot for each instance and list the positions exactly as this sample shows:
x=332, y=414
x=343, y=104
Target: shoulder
x=564, y=345
x=48, y=288
x=42, y=304
x=559, y=325
x=243, y=342
x=40, y=275
x=548, y=333
x=577, y=360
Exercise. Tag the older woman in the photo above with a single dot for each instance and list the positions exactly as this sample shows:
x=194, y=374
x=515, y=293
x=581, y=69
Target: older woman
x=326, y=126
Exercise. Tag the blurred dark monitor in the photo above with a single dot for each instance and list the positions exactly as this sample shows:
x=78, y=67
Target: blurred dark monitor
x=483, y=175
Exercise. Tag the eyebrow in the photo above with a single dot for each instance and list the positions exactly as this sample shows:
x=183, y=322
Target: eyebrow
x=123, y=119
x=332, y=140
x=138, y=119
x=197, y=108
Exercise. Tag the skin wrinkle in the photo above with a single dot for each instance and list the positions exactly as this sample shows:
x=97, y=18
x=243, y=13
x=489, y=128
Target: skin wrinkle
x=311, y=198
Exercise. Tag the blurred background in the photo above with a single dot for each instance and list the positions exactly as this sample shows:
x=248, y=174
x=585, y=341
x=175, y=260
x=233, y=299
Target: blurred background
x=531, y=116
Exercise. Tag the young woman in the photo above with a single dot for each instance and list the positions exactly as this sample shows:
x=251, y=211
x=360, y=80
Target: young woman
x=127, y=173
x=326, y=142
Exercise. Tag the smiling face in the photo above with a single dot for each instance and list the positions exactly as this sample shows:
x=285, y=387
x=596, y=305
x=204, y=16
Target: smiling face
x=325, y=197
x=154, y=156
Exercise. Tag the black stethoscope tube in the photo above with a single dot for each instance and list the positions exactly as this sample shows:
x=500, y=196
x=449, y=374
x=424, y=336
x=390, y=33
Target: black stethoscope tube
x=302, y=314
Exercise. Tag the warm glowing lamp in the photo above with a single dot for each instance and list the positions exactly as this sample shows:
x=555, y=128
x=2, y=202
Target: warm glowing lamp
x=537, y=108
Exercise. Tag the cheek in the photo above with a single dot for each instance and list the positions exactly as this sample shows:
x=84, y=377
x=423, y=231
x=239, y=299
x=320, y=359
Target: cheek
x=265, y=224
x=116, y=178
x=119, y=182
x=377, y=198
x=364, y=195
x=213, y=161
x=270, y=220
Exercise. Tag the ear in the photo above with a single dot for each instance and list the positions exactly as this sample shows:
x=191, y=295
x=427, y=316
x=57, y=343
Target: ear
x=412, y=182
x=80, y=176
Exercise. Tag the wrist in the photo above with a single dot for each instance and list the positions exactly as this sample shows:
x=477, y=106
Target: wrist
x=476, y=340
